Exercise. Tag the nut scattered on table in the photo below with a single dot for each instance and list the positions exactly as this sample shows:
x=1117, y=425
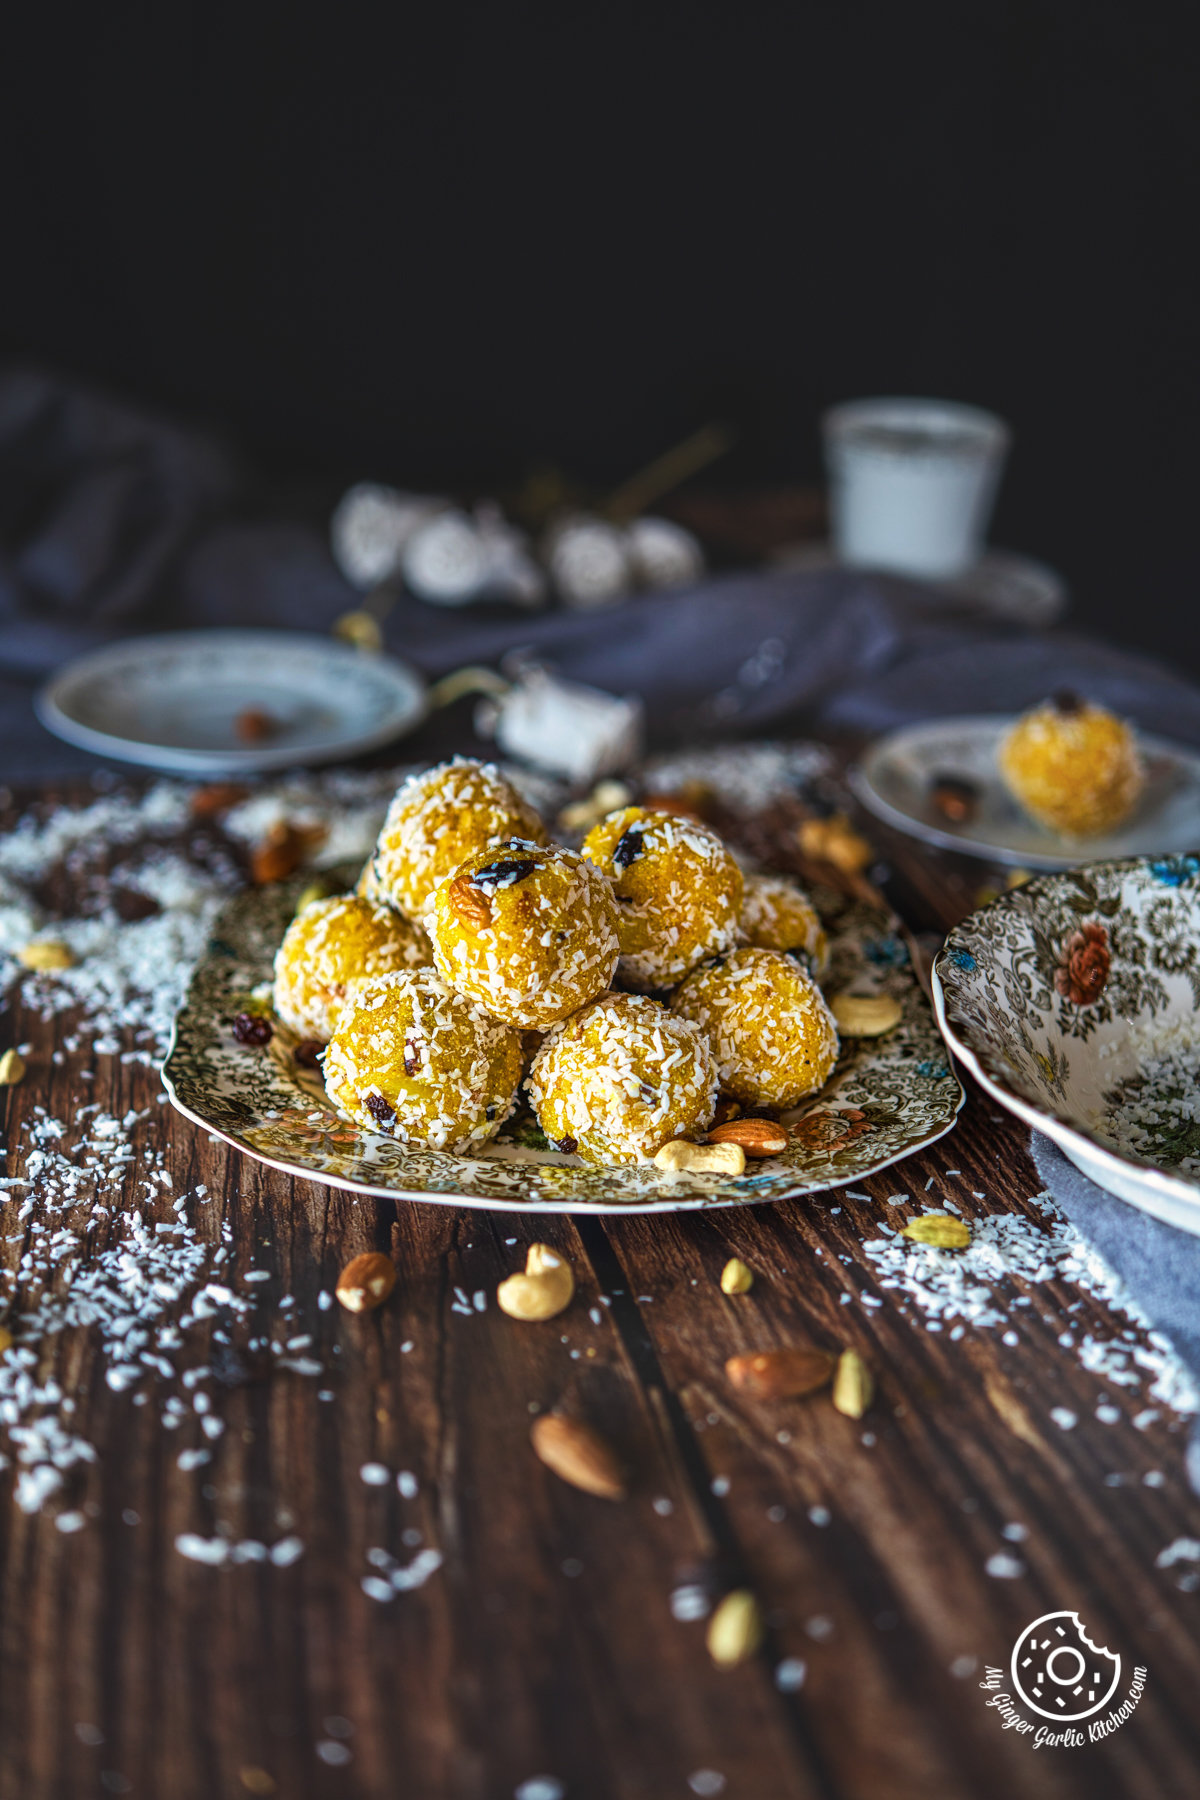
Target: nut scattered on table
x=735, y=1630
x=578, y=1455
x=866, y=1015
x=5, y=1339
x=940, y=1230
x=834, y=840
x=216, y=798
x=46, y=953
x=757, y=1137
x=853, y=1385
x=366, y=1281
x=544, y=1290
x=360, y=628
x=12, y=1068
x=736, y=1278
x=702, y=1159
x=780, y=1374
x=279, y=855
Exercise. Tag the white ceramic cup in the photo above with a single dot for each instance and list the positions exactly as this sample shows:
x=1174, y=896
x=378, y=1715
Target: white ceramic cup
x=912, y=483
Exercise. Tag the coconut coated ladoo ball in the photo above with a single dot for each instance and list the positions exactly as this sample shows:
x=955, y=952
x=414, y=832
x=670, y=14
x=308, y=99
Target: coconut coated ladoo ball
x=413, y=1059
x=622, y=1078
x=679, y=892
x=528, y=931
x=1074, y=767
x=436, y=820
x=327, y=946
x=772, y=1034
x=778, y=915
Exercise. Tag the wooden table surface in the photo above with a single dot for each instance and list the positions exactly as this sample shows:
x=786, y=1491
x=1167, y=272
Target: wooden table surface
x=546, y=1644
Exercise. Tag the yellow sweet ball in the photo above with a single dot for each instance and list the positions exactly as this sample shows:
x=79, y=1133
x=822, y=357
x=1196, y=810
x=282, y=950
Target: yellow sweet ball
x=1074, y=767
x=436, y=820
x=529, y=931
x=778, y=915
x=411, y=1058
x=328, y=945
x=620, y=1079
x=773, y=1036
x=679, y=892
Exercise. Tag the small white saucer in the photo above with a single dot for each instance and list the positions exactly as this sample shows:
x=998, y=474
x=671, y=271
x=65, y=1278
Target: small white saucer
x=895, y=778
x=173, y=701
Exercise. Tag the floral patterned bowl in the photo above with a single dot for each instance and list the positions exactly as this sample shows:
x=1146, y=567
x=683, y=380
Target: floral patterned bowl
x=1074, y=1001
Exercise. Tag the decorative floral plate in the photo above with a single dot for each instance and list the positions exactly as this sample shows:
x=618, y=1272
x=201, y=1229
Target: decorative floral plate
x=1073, y=1000
x=896, y=777
x=886, y=1098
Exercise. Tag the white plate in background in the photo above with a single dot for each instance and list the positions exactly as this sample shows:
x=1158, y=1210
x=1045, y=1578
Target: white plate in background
x=895, y=778
x=172, y=701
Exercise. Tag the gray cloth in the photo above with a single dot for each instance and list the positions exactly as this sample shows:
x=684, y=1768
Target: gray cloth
x=1158, y=1264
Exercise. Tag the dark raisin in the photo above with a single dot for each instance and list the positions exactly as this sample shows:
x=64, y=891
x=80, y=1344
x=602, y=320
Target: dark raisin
x=412, y=1056
x=379, y=1108
x=955, y=798
x=628, y=848
x=508, y=869
x=647, y=1093
x=567, y=1145
x=1066, y=700
x=489, y=1113
x=252, y=1028
x=307, y=1052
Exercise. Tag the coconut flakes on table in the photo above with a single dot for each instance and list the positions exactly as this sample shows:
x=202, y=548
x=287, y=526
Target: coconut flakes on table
x=138, y=1297
x=969, y=1286
x=744, y=777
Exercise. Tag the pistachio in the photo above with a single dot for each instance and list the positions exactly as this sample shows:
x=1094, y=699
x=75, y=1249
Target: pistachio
x=853, y=1385
x=359, y=628
x=12, y=1068
x=702, y=1159
x=308, y=896
x=735, y=1630
x=866, y=1015
x=545, y=1289
x=366, y=1282
x=578, y=1455
x=736, y=1278
x=46, y=953
x=938, y=1229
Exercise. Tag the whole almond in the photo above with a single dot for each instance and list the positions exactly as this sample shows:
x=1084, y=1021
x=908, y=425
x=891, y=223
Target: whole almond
x=366, y=1282
x=470, y=903
x=757, y=1137
x=778, y=1374
x=853, y=1385
x=578, y=1455
x=279, y=855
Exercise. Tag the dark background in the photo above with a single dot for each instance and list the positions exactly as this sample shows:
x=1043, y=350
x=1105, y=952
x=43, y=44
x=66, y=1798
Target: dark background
x=442, y=244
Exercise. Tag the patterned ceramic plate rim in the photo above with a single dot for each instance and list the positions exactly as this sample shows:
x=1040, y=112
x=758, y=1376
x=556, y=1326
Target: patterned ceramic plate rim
x=1077, y=1140
x=206, y=1074
x=1051, y=860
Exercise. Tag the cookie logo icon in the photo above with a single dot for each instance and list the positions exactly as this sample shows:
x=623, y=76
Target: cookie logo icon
x=1058, y=1671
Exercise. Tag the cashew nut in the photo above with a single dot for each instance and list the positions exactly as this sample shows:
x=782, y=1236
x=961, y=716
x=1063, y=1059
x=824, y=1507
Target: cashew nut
x=702, y=1159
x=543, y=1290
